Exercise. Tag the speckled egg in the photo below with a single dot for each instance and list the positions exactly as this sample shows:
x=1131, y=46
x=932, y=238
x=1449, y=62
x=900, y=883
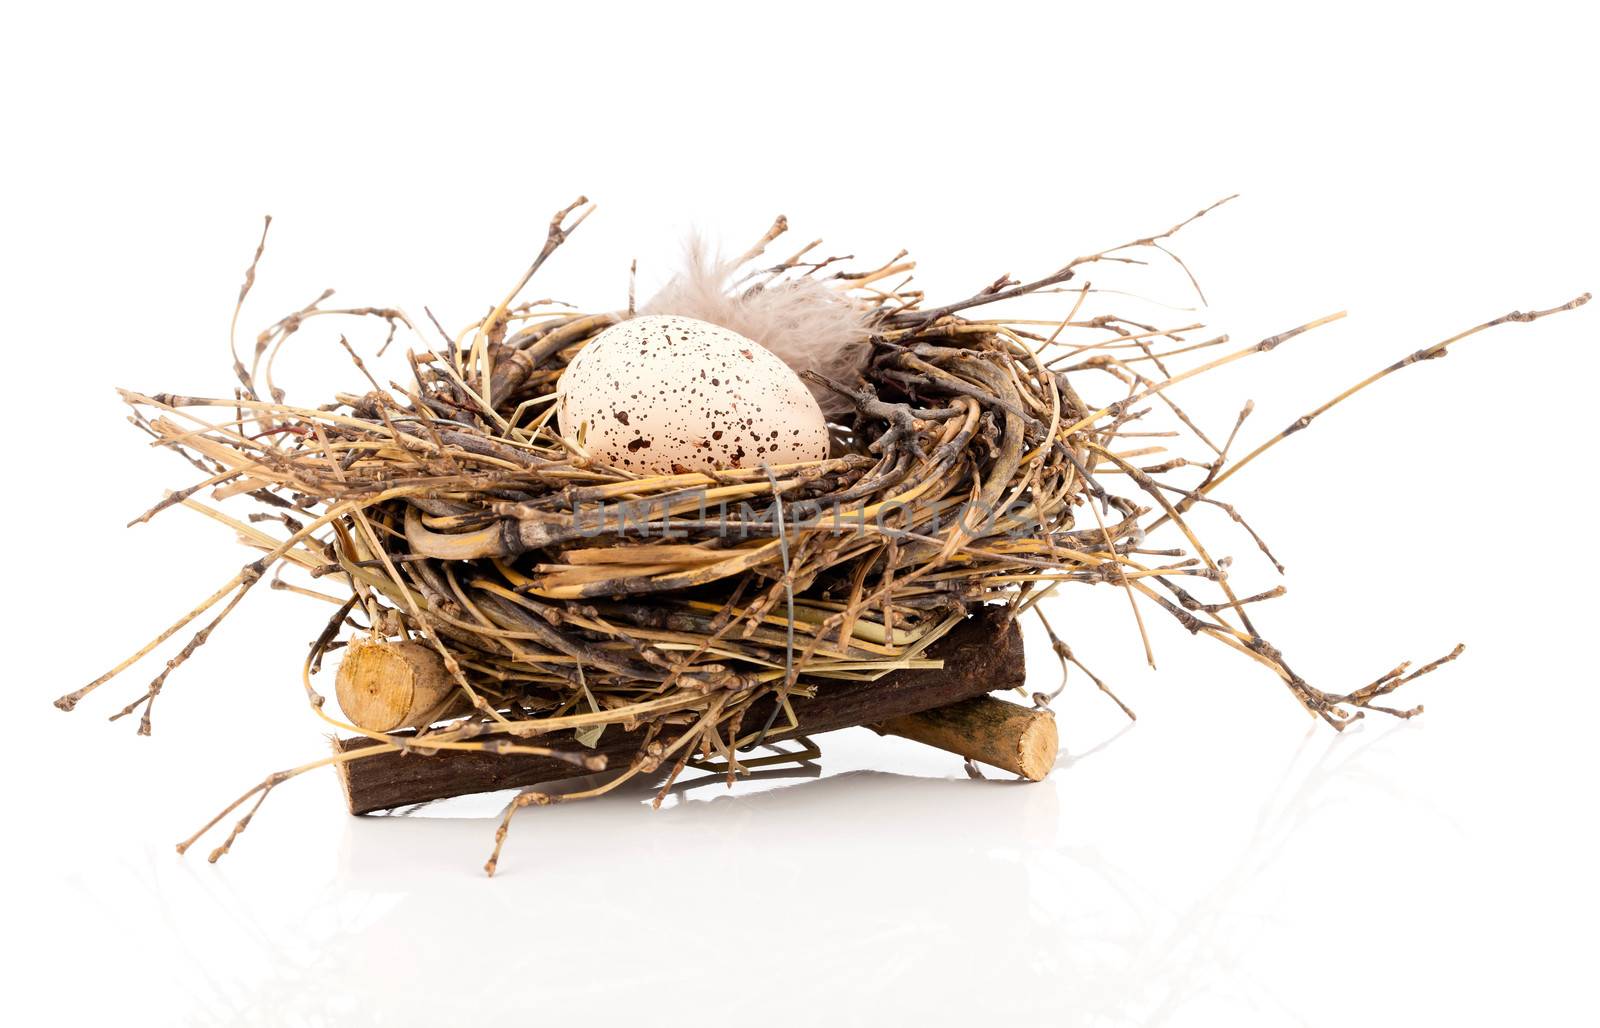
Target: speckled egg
x=660, y=392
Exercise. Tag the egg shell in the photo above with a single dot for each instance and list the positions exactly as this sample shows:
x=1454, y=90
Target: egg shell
x=660, y=392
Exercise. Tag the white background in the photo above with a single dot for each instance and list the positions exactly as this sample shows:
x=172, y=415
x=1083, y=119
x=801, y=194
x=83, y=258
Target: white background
x=1224, y=861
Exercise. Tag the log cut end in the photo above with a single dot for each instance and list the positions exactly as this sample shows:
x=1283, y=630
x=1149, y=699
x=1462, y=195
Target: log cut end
x=1036, y=753
x=383, y=686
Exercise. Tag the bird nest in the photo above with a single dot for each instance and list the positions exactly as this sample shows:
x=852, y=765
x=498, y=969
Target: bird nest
x=974, y=461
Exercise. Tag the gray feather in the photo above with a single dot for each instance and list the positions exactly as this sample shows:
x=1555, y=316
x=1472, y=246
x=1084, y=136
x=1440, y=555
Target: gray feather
x=810, y=326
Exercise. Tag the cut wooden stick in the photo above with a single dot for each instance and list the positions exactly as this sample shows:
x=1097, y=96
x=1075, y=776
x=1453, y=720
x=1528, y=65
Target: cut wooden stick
x=383, y=686
x=983, y=653
x=1008, y=736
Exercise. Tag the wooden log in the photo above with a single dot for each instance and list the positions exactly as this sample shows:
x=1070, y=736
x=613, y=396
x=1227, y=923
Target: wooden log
x=383, y=686
x=983, y=653
x=1009, y=736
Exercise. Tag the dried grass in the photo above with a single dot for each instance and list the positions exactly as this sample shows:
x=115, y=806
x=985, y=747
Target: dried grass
x=450, y=512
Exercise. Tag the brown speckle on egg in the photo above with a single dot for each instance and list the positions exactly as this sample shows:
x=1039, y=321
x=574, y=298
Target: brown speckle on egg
x=743, y=395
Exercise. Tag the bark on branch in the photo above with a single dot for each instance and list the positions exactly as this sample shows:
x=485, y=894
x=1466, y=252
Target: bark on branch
x=981, y=655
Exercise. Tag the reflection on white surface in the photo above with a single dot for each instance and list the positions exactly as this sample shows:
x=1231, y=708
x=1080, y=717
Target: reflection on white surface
x=859, y=891
x=1220, y=862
